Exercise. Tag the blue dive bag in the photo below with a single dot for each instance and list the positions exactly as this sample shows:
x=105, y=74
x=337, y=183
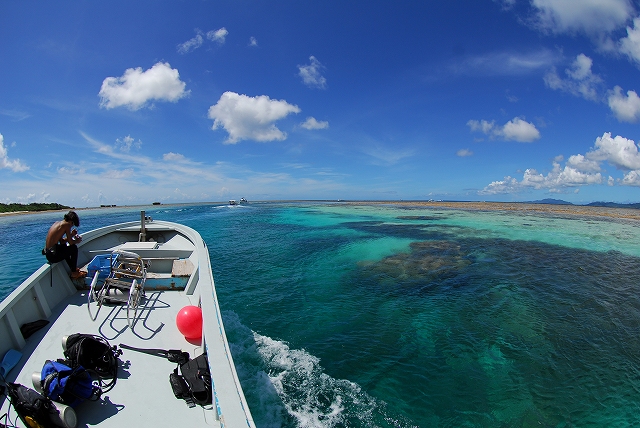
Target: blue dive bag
x=70, y=386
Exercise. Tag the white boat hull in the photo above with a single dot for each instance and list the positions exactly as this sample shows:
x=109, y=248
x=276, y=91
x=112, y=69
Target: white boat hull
x=142, y=395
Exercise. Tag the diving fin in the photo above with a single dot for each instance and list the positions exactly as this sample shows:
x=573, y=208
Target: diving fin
x=9, y=361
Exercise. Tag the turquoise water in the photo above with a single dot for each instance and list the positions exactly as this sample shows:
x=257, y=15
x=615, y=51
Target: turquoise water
x=365, y=316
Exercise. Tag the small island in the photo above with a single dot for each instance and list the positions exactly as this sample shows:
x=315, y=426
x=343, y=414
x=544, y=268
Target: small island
x=34, y=206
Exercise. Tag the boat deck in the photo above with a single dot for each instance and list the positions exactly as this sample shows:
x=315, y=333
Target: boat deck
x=142, y=395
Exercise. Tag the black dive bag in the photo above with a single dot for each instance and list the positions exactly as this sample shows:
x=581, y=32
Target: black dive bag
x=96, y=355
x=33, y=408
x=194, y=383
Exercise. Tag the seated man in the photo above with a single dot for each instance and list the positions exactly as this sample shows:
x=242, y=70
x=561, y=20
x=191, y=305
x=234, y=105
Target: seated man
x=61, y=243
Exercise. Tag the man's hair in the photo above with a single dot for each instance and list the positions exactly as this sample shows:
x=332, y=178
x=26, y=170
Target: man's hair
x=72, y=217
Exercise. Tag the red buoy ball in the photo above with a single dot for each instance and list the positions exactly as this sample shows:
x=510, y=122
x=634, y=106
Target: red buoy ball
x=189, y=322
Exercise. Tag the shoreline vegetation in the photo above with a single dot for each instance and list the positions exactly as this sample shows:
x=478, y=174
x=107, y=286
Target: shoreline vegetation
x=15, y=208
x=619, y=211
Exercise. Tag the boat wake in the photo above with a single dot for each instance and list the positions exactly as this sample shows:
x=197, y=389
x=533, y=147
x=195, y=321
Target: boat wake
x=229, y=206
x=287, y=387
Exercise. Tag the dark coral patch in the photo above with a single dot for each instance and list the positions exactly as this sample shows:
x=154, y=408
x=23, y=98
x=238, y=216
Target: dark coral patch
x=426, y=259
x=419, y=217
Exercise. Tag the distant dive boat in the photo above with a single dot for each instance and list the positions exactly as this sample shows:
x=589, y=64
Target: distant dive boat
x=233, y=202
x=167, y=268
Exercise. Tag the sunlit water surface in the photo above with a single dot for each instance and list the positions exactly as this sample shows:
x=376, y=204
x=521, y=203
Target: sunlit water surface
x=365, y=316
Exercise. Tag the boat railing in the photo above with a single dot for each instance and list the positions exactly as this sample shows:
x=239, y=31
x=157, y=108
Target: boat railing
x=35, y=296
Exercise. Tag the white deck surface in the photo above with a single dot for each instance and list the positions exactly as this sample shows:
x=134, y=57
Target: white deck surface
x=142, y=396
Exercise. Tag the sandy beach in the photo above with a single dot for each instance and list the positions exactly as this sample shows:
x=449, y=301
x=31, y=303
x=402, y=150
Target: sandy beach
x=568, y=210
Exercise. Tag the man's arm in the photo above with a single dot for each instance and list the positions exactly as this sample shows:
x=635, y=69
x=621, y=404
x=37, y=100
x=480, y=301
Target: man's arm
x=69, y=235
x=72, y=236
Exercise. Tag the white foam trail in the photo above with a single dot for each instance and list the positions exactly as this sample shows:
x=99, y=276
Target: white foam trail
x=313, y=398
x=291, y=389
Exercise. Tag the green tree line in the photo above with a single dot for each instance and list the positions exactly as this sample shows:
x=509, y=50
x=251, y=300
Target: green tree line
x=34, y=206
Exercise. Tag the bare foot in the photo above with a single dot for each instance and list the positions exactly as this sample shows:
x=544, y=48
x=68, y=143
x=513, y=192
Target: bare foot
x=78, y=274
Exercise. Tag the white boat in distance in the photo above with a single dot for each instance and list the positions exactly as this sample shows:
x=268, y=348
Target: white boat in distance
x=178, y=275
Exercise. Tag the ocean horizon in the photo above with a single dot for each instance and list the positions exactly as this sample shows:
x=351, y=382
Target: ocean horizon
x=401, y=315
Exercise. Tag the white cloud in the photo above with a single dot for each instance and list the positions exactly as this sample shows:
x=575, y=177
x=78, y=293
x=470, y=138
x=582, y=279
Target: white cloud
x=580, y=79
x=250, y=118
x=384, y=156
x=505, y=63
x=173, y=157
x=68, y=170
x=626, y=108
x=149, y=179
x=312, y=123
x=632, y=178
x=506, y=186
x=311, y=74
x=630, y=45
x=520, y=130
x=581, y=163
x=253, y=41
x=14, y=165
x=555, y=180
x=15, y=115
x=464, y=153
x=516, y=129
x=619, y=152
x=579, y=170
x=119, y=174
x=31, y=197
x=218, y=36
x=191, y=44
x=581, y=68
x=506, y=4
x=127, y=143
x=482, y=126
x=136, y=87
x=591, y=17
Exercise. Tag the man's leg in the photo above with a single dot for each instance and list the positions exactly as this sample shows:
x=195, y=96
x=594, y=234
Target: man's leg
x=57, y=255
x=72, y=257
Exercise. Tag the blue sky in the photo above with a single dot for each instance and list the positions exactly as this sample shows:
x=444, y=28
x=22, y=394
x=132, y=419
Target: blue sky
x=134, y=102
